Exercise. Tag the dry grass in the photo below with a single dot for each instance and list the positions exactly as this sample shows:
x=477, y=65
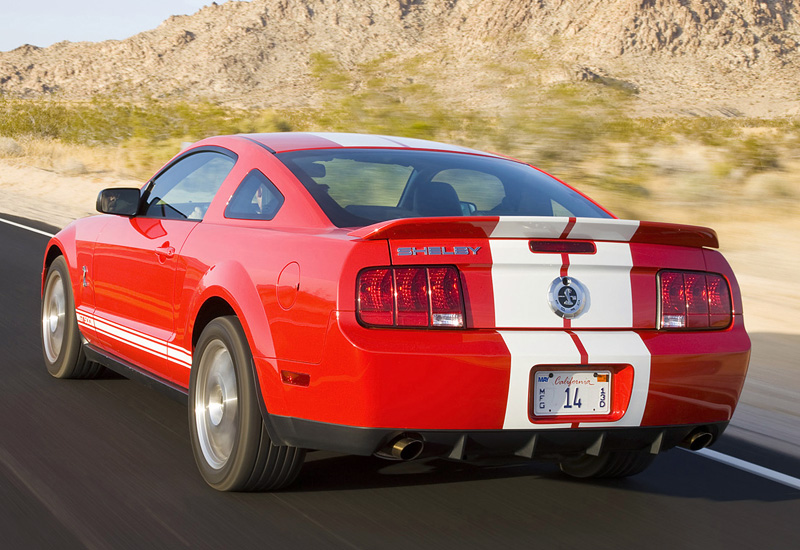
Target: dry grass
x=580, y=133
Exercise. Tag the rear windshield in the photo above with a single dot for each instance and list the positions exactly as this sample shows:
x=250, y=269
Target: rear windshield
x=358, y=187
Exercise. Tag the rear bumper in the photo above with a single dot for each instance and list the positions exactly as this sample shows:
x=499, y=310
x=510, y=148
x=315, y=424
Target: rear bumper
x=473, y=445
x=473, y=383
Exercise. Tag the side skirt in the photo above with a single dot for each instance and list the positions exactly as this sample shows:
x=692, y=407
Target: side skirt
x=123, y=368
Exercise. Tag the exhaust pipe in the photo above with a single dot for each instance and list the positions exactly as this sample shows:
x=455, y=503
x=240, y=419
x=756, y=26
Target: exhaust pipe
x=407, y=448
x=697, y=440
x=404, y=447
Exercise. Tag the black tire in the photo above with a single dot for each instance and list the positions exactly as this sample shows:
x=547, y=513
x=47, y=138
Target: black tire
x=229, y=440
x=62, y=346
x=609, y=465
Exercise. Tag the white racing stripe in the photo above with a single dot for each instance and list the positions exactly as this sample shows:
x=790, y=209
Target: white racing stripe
x=511, y=227
x=603, y=229
x=31, y=229
x=361, y=140
x=552, y=227
x=136, y=339
x=607, y=278
x=521, y=281
x=126, y=335
x=755, y=469
x=621, y=348
x=529, y=349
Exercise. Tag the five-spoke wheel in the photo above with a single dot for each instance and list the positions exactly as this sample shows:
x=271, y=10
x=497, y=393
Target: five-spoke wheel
x=231, y=445
x=61, y=339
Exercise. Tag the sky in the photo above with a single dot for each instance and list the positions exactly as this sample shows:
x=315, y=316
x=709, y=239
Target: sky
x=45, y=22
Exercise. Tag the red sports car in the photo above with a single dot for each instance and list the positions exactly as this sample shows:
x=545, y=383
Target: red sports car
x=398, y=297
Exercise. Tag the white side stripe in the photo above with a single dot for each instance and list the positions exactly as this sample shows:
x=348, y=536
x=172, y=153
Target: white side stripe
x=136, y=339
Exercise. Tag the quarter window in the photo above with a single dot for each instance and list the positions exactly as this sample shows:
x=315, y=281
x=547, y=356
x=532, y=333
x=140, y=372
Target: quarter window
x=255, y=199
x=185, y=190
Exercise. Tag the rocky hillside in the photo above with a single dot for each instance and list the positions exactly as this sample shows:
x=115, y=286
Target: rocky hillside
x=726, y=57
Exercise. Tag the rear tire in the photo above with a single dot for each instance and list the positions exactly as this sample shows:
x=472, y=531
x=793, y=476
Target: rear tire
x=615, y=464
x=61, y=340
x=230, y=442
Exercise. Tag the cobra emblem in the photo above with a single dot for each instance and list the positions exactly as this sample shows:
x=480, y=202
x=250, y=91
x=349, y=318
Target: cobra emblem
x=568, y=297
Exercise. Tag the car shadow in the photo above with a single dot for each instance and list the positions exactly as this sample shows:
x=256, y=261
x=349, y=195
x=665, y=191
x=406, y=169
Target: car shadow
x=677, y=473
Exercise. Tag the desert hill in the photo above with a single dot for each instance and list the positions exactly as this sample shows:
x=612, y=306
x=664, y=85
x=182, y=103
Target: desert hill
x=724, y=57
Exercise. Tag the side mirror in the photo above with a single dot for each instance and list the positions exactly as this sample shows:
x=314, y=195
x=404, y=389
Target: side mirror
x=122, y=201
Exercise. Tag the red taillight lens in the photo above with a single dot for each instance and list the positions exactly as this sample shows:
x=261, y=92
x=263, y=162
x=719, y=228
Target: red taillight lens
x=696, y=300
x=673, y=300
x=376, y=297
x=410, y=297
x=446, y=307
x=691, y=299
x=719, y=301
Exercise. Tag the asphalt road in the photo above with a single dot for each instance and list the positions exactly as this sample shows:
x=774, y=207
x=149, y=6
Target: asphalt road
x=107, y=464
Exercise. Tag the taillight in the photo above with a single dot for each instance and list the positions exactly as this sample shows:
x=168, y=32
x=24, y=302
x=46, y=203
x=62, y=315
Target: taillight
x=410, y=297
x=693, y=299
x=446, y=305
x=376, y=296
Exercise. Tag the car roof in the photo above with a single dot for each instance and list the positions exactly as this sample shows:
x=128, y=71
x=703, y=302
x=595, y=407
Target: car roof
x=295, y=141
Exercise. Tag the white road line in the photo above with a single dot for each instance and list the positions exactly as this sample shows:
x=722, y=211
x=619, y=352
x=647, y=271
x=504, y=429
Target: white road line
x=772, y=475
x=34, y=230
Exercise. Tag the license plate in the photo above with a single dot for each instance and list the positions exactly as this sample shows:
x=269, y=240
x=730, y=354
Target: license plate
x=571, y=392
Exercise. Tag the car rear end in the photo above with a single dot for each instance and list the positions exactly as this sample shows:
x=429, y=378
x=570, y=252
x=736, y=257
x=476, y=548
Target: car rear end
x=462, y=344
x=535, y=334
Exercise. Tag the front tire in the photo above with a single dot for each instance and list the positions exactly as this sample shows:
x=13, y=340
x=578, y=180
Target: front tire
x=608, y=465
x=61, y=339
x=231, y=445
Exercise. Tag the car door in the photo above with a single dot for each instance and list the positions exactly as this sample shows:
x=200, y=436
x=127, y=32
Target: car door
x=135, y=262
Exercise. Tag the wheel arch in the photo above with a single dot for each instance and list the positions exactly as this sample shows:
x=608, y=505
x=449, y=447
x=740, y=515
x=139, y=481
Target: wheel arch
x=53, y=252
x=226, y=289
x=213, y=307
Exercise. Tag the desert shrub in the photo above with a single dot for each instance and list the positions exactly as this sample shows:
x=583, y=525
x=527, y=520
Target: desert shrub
x=10, y=148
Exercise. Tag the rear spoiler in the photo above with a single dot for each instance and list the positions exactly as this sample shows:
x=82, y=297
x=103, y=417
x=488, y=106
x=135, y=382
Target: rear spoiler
x=519, y=227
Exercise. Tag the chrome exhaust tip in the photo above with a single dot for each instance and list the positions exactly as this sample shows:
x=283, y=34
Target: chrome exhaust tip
x=403, y=447
x=407, y=448
x=697, y=440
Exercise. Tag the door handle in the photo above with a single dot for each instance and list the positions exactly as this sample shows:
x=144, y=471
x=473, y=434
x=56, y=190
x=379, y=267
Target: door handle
x=165, y=251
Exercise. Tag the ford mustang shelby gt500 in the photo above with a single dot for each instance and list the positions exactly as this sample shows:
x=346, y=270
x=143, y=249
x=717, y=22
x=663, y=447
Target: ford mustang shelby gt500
x=398, y=297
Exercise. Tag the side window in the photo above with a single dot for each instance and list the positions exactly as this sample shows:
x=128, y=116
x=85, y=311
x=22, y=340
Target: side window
x=256, y=198
x=185, y=190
